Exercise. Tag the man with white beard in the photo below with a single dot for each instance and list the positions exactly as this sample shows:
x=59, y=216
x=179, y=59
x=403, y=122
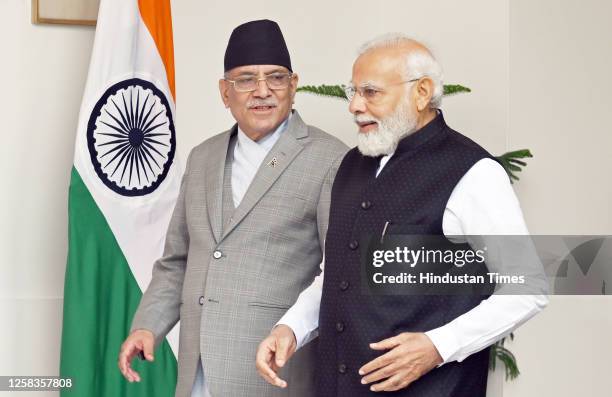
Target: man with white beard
x=410, y=174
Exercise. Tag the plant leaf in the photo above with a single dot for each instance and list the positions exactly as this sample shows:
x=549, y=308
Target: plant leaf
x=337, y=90
x=511, y=163
x=451, y=89
x=499, y=352
x=510, y=160
x=334, y=91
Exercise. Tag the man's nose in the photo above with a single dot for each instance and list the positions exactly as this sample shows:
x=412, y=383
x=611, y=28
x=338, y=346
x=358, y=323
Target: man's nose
x=262, y=91
x=357, y=104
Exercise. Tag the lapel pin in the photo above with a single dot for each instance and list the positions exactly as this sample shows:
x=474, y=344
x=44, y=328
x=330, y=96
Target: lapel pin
x=273, y=163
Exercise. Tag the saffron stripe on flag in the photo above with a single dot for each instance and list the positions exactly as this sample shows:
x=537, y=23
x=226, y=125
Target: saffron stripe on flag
x=157, y=16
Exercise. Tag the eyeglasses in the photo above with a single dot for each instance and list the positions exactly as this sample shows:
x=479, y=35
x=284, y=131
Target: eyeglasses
x=371, y=93
x=275, y=81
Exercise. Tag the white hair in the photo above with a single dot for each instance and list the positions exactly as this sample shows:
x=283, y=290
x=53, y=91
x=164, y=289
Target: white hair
x=390, y=130
x=419, y=63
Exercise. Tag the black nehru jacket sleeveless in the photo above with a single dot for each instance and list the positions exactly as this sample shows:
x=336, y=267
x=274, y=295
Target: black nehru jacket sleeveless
x=410, y=193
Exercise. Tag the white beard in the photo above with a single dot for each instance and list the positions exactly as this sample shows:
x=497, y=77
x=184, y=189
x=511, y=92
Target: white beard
x=390, y=131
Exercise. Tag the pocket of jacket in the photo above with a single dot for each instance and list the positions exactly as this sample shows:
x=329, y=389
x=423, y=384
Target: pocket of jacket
x=266, y=305
x=289, y=206
x=407, y=229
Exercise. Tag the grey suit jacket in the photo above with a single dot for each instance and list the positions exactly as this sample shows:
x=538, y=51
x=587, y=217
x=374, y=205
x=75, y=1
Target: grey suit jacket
x=230, y=280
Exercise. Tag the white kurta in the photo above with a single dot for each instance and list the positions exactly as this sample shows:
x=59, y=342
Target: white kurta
x=483, y=203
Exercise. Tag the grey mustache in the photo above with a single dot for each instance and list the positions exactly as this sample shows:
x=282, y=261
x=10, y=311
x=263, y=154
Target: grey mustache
x=254, y=104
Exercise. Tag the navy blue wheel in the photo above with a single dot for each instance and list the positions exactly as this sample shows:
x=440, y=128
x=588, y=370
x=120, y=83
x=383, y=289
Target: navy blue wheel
x=131, y=137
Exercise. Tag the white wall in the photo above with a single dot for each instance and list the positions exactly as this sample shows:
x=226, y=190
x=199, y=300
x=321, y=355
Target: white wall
x=539, y=71
x=560, y=86
x=43, y=71
x=323, y=36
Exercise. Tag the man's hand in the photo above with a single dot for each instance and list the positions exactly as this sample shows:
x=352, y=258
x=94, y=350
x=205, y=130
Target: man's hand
x=141, y=340
x=410, y=356
x=273, y=352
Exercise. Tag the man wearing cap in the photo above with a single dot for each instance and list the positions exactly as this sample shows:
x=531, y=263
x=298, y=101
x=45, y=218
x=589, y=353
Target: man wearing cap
x=247, y=232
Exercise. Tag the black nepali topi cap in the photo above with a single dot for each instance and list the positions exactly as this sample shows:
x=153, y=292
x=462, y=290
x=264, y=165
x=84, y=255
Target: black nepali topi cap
x=257, y=43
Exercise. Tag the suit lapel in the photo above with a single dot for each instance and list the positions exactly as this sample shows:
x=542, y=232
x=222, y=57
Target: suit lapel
x=215, y=168
x=278, y=159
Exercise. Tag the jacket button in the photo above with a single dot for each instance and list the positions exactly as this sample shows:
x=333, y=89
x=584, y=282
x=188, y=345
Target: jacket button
x=201, y=300
x=339, y=326
x=344, y=285
x=342, y=368
x=217, y=254
x=354, y=245
x=366, y=204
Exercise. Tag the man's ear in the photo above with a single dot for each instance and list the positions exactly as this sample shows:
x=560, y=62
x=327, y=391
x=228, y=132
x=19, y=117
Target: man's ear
x=224, y=88
x=424, y=92
x=293, y=84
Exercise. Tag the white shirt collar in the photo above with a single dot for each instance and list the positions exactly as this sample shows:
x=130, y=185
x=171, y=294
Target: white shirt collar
x=248, y=156
x=264, y=144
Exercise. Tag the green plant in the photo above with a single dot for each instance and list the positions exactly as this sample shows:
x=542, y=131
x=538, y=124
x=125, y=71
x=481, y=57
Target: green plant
x=512, y=164
x=337, y=91
x=510, y=161
x=333, y=91
x=501, y=353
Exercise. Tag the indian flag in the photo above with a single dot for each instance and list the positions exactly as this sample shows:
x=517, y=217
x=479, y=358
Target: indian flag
x=123, y=189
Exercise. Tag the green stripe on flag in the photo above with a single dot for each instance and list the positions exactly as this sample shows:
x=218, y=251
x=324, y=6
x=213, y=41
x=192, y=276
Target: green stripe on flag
x=100, y=298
